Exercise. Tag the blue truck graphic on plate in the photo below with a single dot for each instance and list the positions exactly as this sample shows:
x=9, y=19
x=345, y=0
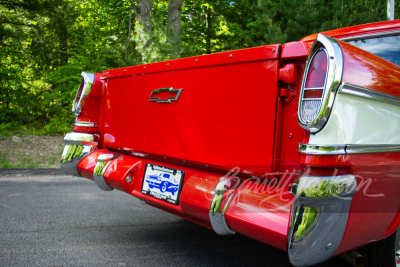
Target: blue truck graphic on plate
x=165, y=182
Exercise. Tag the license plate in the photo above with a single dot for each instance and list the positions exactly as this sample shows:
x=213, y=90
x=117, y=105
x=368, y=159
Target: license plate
x=162, y=182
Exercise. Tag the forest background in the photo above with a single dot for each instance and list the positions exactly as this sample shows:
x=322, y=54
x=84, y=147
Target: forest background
x=46, y=44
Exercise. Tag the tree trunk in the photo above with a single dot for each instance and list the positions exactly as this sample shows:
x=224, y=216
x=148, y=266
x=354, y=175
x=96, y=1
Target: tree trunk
x=174, y=25
x=129, y=31
x=144, y=17
x=208, y=30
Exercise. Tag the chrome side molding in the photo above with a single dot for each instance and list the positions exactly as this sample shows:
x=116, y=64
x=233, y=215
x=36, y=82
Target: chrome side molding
x=103, y=162
x=74, y=151
x=319, y=217
x=217, y=213
x=321, y=149
x=350, y=89
x=370, y=35
x=85, y=124
x=312, y=149
x=353, y=149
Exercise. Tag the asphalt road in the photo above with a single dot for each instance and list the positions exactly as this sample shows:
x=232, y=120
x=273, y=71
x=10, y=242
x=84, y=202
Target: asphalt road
x=68, y=221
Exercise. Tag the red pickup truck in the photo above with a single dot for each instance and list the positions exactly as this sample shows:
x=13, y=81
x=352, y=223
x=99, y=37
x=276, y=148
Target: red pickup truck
x=296, y=145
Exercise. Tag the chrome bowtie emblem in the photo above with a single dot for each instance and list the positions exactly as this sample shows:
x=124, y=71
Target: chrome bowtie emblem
x=170, y=93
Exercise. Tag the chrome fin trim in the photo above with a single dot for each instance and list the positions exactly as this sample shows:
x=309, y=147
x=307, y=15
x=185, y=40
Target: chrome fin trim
x=312, y=149
x=81, y=98
x=351, y=89
x=332, y=81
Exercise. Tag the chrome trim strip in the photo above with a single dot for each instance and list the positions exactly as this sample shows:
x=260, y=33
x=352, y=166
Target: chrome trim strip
x=332, y=82
x=85, y=124
x=322, y=149
x=370, y=35
x=312, y=149
x=355, y=149
x=351, y=89
x=83, y=137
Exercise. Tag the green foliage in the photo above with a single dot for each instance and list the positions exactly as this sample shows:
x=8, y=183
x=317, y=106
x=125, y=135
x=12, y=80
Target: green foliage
x=160, y=48
x=325, y=188
x=310, y=216
x=45, y=44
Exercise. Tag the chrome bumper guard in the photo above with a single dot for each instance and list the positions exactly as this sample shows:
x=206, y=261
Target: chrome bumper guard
x=103, y=162
x=319, y=217
x=216, y=214
x=75, y=149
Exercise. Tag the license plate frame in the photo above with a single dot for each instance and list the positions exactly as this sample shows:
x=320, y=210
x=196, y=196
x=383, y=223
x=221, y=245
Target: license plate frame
x=162, y=182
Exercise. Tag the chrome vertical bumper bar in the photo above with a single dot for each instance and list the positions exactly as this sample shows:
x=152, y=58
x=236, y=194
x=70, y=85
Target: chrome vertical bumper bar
x=319, y=217
x=103, y=162
x=216, y=214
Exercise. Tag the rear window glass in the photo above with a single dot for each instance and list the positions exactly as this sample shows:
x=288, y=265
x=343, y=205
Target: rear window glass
x=385, y=47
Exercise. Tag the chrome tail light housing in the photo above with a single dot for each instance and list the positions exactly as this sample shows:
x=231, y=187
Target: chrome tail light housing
x=322, y=77
x=82, y=95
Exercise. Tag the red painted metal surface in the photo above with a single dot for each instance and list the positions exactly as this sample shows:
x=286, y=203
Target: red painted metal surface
x=225, y=115
x=295, y=51
x=233, y=57
x=370, y=71
x=288, y=74
x=376, y=27
x=262, y=212
x=292, y=134
x=256, y=211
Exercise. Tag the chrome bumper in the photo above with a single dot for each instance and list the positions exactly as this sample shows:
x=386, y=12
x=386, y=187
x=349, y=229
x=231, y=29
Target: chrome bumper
x=77, y=146
x=319, y=217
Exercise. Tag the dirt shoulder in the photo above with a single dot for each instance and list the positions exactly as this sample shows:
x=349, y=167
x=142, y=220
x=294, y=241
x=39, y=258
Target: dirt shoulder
x=31, y=151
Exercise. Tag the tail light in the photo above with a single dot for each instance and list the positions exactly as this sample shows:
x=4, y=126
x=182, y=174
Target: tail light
x=322, y=78
x=82, y=95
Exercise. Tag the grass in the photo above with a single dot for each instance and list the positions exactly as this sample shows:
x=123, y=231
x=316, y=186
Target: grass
x=30, y=153
x=56, y=157
x=3, y=161
x=52, y=128
x=21, y=163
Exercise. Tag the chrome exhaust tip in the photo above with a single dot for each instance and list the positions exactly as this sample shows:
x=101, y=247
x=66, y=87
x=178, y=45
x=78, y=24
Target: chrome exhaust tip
x=354, y=258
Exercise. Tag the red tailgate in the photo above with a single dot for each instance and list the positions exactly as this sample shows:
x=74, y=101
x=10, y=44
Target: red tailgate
x=224, y=116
